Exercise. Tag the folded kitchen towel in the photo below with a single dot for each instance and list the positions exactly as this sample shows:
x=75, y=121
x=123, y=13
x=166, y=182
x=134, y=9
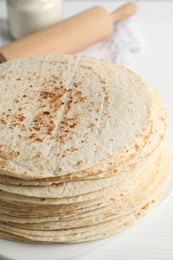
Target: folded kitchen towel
x=125, y=40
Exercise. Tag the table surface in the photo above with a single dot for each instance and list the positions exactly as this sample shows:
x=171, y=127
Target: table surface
x=152, y=239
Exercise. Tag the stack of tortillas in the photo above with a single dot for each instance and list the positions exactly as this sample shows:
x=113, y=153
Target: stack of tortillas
x=82, y=149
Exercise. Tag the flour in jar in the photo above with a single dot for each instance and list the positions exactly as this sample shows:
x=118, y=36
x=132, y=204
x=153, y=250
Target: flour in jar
x=29, y=16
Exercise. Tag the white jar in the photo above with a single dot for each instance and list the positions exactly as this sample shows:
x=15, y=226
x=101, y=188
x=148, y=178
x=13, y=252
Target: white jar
x=27, y=16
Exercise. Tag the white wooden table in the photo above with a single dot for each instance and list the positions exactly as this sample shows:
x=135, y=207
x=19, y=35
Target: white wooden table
x=152, y=239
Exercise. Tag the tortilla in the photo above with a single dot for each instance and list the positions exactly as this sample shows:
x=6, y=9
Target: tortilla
x=83, y=150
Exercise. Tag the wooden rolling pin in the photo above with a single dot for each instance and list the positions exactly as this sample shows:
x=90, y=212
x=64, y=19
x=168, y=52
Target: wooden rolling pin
x=69, y=36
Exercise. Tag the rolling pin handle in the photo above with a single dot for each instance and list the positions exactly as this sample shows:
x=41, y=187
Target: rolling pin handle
x=124, y=12
x=2, y=58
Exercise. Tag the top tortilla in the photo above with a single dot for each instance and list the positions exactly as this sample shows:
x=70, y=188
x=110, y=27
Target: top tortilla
x=65, y=114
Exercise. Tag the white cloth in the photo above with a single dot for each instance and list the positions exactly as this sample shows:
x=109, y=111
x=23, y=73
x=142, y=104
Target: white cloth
x=125, y=40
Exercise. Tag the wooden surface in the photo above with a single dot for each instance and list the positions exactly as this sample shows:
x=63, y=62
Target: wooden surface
x=151, y=239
